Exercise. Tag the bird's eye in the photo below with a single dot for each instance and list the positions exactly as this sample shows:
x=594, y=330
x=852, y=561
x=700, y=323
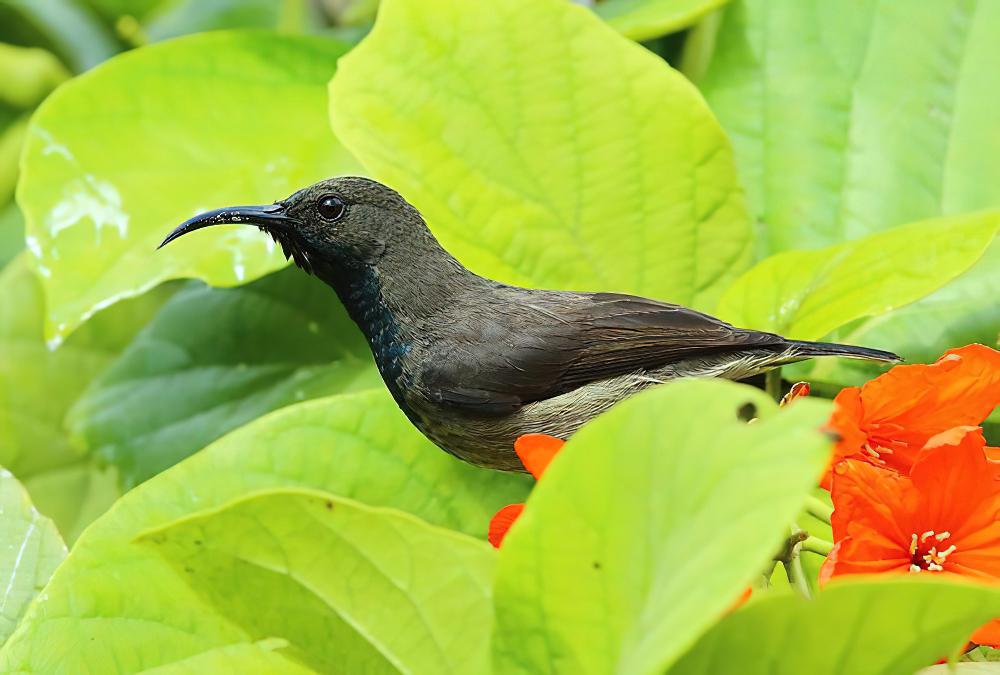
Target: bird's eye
x=331, y=208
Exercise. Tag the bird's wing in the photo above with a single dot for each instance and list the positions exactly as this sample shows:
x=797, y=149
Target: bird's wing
x=560, y=341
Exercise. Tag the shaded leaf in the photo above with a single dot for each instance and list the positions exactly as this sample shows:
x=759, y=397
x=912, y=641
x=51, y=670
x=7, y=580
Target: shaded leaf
x=877, y=626
x=73, y=495
x=645, y=19
x=358, y=446
x=63, y=27
x=11, y=233
x=116, y=158
x=580, y=160
x=393, y=594
x=263, y=657
x=807, y=294
x=30, y=551
x=38, y=384
x=648, y=525
x=214, y=359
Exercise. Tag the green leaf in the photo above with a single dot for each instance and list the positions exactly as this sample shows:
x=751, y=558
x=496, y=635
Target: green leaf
x=393, y=594
x=358, y=446
x=119, y=156
x=11, y=233
x=38, y=384
x=875, y=626
x=646, y=19
x=28, y=75
x=961, y=313
x=247, y=658
x=30, y=551
x=62, y=27
x=544, y=149
x=648, y=525
x=74, y=495
x=842, y=129
x=188, y=16
x=214, y=359
x=807, y=294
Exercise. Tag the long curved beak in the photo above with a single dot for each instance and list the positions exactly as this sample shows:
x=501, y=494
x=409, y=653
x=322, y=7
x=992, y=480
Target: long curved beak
x=270, y=217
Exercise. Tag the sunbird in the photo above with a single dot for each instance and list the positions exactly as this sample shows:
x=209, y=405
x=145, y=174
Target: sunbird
x=475, y=363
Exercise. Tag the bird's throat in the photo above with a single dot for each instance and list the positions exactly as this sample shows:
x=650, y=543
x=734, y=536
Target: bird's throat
x=363, y=296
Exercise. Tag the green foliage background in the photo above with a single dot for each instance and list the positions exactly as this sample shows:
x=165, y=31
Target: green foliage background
x=790, y=165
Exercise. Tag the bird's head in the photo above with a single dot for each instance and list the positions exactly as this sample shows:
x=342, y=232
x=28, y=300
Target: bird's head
x=338, y=223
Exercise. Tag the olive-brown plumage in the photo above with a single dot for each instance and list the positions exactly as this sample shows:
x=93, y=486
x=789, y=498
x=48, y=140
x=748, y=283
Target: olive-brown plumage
x=474, y=363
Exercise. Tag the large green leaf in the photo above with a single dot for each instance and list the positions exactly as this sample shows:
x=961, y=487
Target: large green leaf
x=119, y=156
x=544, y=149
x=38, y=384
x=30, y=551
x=215, y=359
x=842, y=128
x=807, y=294
x=648, y=525
x=645, y=19
x=883, y=626
x=358, y=446
x=393, y=594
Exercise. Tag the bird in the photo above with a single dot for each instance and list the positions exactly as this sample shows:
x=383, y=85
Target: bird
x=475, y=363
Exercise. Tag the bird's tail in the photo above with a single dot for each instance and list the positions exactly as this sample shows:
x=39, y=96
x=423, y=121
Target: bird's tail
x=810, y=349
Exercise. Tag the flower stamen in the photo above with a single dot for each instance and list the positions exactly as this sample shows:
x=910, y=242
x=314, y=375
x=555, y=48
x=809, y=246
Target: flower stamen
x=931, y=560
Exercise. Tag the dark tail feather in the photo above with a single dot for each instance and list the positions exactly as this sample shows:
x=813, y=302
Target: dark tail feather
x=810, y=349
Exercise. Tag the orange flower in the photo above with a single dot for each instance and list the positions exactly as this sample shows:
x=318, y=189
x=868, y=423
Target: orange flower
x=798, y=390
x=535, y=452
x=888, y=420
x=944, y=518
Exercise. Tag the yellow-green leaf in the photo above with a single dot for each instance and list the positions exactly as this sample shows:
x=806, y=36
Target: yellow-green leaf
x=878, y=626
x=119, y=156
x=30, y=551
x=351, y=588
x=807, y=294
x=564, y=157
x=648, y=525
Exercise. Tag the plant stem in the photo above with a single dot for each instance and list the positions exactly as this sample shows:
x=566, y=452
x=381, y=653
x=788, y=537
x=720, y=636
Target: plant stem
x=772, y=384
x=792, y=561
x=818, y=509
x=796, y=577
x=817, y=545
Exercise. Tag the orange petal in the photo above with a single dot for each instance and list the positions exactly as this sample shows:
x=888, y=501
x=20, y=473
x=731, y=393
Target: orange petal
x=876, y=505
x=988, y=635
x=829, y=567
x=845, y=421
x=798, y=390
x=954, y=480
x=536, y=451
x=913, y=403
x=993, y=455
x=501, y=522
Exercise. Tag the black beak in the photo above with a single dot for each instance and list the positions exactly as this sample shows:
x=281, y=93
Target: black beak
x=271, y=218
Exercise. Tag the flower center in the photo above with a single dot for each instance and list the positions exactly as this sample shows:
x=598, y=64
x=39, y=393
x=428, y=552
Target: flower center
x=924, y=553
